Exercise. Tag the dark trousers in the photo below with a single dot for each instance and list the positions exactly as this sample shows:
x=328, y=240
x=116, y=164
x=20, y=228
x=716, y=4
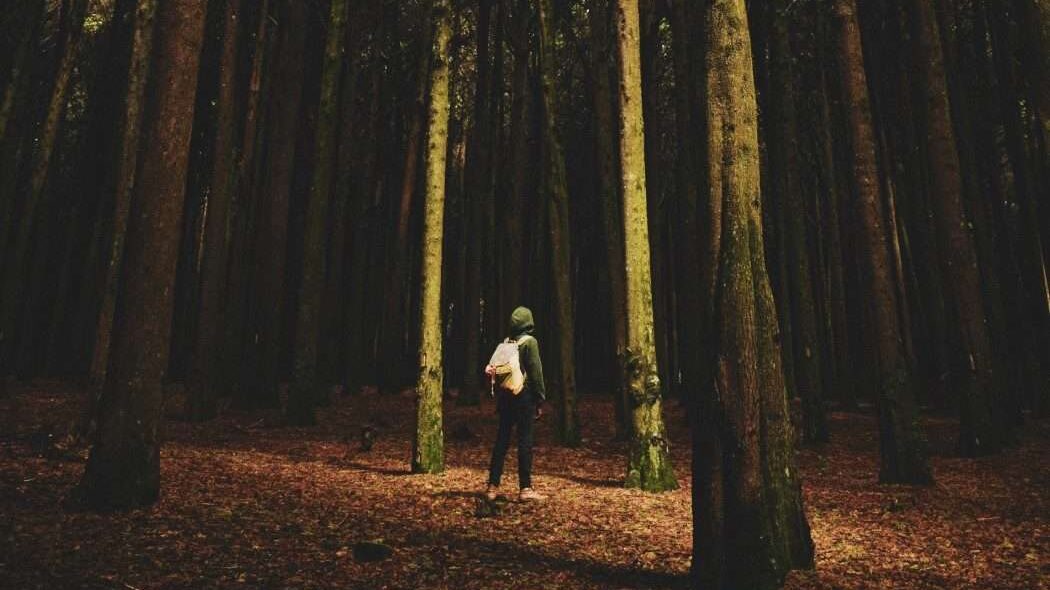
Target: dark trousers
x=514, y=410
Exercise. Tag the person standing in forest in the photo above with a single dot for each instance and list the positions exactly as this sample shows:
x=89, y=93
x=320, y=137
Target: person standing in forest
x=519, y=408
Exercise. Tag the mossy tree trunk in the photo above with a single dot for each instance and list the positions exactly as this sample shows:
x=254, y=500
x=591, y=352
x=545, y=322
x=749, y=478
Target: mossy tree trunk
x=747, y=497
x=123, y=469
x=428, y=446
x=648, y=456
x=305, y=390
x=901, y=445
x=555, y=199
x=980, y=429
x=205, y=381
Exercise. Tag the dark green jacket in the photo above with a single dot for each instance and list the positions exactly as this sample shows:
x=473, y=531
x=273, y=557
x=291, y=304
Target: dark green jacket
x=521, y=323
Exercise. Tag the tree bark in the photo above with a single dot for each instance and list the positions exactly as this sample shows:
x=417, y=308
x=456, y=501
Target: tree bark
x=205, y=381
x=519, y=160
x=478, y=177
x=271, y=241
x=747, y=498
x=305, y=391
x=901, y=445
x=980, y=431
x=606, y=153
x=398, y=279
x=555, y=195
x=134, y=103
x=428, y=446
x=123, y=469
x=648, y=456
x=784, y=165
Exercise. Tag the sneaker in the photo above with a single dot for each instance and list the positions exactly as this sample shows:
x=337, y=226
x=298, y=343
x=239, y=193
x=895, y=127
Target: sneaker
x=491, y=493
x=530, y=495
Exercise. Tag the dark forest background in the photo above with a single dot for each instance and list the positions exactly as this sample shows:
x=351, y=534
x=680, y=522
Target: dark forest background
x=904, y=158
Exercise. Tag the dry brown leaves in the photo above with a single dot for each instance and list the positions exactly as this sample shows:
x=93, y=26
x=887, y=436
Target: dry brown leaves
x=250, y=505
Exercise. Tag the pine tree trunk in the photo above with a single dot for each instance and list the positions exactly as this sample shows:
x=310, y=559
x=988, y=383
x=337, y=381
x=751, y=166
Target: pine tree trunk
x=648, y=456
x=602, y=52
x=132, y=122
x=271, y=241
x=784, y=164
x=980, y=432
x=838, y=337
x=478, y=177
x=521, y=88
x=123, y=470
x=901, y=445
x=747, y=499
x=555, y=195
x=400, y=273
x=428, y=446
x=304, y=393
x=205, y=377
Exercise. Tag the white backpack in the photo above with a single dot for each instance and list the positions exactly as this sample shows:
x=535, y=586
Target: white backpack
x=504, y=368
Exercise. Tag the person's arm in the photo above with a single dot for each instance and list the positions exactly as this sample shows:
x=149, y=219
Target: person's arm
x=534, y=368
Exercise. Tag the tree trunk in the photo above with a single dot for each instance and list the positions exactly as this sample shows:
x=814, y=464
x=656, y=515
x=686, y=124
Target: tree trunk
x=271, y=241
x=556, y=202
x=519, y=160
x=606, y=153
x=747, y=500
x=980, y=432
x=784, y=164
x=400, y=273
x=648, y=456
x=838, y=337
x=304, y=393
x=478, y=177
x=205, y=379
x=901, y=445
x=123, y=470
x=134, y=103
x=428, y=446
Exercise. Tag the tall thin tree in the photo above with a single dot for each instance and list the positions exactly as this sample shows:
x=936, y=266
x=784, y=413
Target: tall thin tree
x=980, y=430
x=555, y=195
x=206, y=372
x=305, y=390
x=126, y=173
x=428, y=446
x=123, y=469
x=648, y=458
x=901, y=446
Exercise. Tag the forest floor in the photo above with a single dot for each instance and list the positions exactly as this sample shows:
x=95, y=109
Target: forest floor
x=246, y=503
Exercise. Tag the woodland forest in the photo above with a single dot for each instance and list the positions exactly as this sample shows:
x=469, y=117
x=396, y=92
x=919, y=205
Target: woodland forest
x=787, y=259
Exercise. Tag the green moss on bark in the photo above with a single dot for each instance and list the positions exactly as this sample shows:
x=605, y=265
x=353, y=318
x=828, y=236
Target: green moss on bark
x=428, y=448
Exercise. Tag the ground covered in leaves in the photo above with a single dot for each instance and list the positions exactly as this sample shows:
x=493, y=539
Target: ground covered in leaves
x=248, y=503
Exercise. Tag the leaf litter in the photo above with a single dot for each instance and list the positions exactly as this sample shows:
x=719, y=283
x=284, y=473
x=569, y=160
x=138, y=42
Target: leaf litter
x=247, y=503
